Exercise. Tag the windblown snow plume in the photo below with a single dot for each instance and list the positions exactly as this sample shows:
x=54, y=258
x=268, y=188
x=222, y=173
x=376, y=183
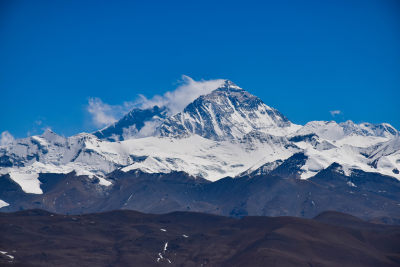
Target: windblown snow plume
x=174, y=101
x=177, y=100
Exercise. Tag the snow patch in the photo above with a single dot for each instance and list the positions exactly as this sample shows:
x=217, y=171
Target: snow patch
x=351, y=184
x=29, y=182
x=7, y=255
x=3, y=204
x=104, y=182
x=162, y=254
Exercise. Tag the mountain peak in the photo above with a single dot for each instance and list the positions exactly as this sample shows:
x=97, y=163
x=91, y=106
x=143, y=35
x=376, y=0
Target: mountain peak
x=51, y=136
x=229, y=112
x=229, y=85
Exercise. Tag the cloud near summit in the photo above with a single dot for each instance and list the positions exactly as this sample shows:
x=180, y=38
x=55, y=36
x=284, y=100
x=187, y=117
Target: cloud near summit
x=6, y=138
x=185, y=93
x=103, y=114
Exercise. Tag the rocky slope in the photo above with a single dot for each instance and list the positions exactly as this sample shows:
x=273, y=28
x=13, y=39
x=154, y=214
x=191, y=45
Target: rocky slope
x=280, y=193
x=128, y=238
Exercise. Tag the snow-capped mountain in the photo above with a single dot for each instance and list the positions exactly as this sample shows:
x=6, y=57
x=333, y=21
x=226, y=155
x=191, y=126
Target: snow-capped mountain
x=228, y=132
x=364, y=134
x=137, y=123
x=228, y=112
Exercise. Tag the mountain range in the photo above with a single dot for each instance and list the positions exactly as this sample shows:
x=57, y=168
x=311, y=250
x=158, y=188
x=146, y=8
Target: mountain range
x=226, y=153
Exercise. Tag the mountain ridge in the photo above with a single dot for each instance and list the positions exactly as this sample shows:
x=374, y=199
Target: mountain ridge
x=225, y=133
x=227, y=112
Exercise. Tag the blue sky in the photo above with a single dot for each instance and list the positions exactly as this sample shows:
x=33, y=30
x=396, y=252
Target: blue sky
x=305, y=58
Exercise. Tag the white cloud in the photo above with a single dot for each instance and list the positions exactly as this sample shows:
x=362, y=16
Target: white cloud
x=185, y=93
x=104, y=114
x=335, y=112
x=101, y=112
x=6, y=138
x=175, y=101
x=129, y=132
x=149, y=128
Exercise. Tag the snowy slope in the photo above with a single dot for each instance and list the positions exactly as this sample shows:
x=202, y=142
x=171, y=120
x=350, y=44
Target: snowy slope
x=349, y=144
x=195, y=155
x=199, y=156
x=3, y=204
x=228, y=132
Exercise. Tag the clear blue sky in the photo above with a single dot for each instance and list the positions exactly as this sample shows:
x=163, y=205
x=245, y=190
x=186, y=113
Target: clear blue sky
x=304, y=58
